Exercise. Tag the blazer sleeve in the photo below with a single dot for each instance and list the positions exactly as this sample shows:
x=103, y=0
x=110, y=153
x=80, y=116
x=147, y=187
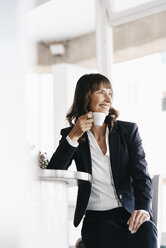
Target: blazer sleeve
x=141, y=179
x=64, y=154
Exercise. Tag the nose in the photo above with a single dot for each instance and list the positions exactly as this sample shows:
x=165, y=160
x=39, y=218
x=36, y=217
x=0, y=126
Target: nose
x=107, y=98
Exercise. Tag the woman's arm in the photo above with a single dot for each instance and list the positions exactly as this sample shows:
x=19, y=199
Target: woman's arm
x=63, y=155
x=141, y=179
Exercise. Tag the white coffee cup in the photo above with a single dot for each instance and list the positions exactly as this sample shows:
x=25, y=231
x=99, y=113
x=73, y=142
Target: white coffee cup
x=98, y=118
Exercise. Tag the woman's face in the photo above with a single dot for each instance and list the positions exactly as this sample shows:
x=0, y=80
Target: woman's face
x=100, y=100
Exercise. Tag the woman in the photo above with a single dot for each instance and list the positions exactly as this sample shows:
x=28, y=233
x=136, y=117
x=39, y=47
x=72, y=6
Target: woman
x=117, y=202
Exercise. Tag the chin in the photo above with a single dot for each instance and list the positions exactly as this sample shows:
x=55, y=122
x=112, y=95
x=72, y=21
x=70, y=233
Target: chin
x=105, y=111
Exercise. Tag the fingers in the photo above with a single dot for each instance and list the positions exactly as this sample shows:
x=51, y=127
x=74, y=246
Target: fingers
x=141, y=220
x=83, y=124
x=138, y=217
x=86, y=116
x=85, y=121
x=131, y=221
x=137, y=221
x=89, y=115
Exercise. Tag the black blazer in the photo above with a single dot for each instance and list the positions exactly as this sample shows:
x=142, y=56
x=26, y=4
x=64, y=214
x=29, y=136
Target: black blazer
x=129, y=167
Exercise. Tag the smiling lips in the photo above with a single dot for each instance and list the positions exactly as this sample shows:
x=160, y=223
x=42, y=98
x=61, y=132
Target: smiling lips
x=104, y=105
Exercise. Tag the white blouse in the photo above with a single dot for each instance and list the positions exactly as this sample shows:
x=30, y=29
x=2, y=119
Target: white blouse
x=103, y=195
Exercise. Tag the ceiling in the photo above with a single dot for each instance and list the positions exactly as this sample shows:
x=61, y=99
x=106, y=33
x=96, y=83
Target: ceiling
x=58, y=20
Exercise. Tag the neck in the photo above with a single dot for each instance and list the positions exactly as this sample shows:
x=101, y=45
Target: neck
x=98, y=131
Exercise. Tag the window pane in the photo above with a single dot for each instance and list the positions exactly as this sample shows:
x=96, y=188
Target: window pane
x=119, y=5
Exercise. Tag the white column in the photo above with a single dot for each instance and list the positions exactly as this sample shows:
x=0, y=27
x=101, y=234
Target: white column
x=60, y=92
x=65, y=79
x=14, y=173
x=104, y=40
x=49, y=215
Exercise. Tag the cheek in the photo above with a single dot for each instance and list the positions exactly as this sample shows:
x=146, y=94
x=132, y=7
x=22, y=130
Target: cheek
x=95, y=101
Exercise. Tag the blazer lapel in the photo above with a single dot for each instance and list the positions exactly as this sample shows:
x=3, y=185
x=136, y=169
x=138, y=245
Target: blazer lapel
x=114, y=146
x=85, y=154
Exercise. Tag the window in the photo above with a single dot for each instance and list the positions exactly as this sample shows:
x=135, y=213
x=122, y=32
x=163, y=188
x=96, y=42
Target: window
x=119, y=5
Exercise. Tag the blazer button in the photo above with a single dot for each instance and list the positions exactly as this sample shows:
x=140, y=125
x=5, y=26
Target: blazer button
x=120, y=196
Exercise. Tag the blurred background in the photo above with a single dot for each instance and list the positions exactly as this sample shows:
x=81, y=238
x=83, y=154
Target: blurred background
x=45, y=47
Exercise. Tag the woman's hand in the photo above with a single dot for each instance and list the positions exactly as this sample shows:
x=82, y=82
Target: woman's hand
x=138, y=217
x=83, y=124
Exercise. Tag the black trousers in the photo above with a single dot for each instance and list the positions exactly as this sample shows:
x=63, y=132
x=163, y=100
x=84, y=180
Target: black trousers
x=109, y=229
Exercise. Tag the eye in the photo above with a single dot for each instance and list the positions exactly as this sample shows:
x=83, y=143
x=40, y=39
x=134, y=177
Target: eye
x=100, y=92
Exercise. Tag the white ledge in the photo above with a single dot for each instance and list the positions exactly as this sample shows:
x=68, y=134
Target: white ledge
x=70, y=177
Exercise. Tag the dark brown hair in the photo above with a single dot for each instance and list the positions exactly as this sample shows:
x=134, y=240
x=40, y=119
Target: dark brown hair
x=86, y=85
